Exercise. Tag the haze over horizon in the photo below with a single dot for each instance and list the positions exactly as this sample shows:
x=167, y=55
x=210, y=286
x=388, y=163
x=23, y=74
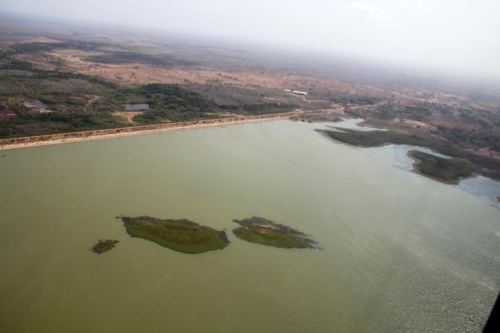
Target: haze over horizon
x=445, y=35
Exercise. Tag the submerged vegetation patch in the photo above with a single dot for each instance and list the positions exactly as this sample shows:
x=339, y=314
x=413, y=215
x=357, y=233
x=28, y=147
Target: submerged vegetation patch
x=178, y=235
x=104, y=246
x=266, y=232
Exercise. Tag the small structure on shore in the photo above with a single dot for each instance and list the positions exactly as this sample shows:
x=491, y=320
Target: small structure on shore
x=136, y=107
x=35, y=105
x=297, y=92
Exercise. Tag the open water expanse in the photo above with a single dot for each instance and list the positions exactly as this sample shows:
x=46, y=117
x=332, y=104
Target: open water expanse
x=400, y=252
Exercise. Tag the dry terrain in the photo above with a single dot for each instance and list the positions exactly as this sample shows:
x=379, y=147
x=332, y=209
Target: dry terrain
x=85, y=78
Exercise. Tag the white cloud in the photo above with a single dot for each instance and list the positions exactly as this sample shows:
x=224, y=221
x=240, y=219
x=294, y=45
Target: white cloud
x=369, y=11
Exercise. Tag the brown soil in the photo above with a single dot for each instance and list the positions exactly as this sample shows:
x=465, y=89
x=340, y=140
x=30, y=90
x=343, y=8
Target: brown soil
x=413, y=123
x=127, y=117
x=41, y=40
x=137, y=73
x=76, y=61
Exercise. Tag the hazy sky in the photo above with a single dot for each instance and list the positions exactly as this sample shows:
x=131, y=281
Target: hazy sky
x=458, y=35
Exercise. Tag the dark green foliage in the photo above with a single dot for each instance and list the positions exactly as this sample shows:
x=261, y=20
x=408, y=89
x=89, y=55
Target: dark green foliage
x=270, y=238
x=23, y=48
x=40, y=83
x=84, y=45
x=488, y=136
x=266, y=232
x=259, y=108
x=64, y=93
x=19, y=48
x=80, y=102
x=445, y=170
x=166, y=102
x=104, y=246
x=487, y=166
x=165, y=95
x=178, y=235
x=372, y=138
x=15, y=64
x=34, y=123
x=5, y=51
x=391, y=110
x=170, y=102
x=465, y=125
x=245, y=101
x=61, y=99
x=163, y=60
x=58, y=76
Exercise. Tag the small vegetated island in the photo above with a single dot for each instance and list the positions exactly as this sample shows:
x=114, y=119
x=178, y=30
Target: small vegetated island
x=266, y=232
x=104, y=246
x=178, y=235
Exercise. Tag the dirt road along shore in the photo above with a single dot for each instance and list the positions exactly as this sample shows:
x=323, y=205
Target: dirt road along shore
x=50, y=139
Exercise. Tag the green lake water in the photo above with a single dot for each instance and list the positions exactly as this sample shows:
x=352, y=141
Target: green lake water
x=400, y=252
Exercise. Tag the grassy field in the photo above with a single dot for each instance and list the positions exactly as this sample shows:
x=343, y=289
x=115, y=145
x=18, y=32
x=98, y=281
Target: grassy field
x=178, y=235
x=261, y=231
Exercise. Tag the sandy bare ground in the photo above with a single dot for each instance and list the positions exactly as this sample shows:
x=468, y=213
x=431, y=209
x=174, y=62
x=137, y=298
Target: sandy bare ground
x=127, y=117
x=413, y=123
x=51, y=139
x=42, y=39
x=138, y=73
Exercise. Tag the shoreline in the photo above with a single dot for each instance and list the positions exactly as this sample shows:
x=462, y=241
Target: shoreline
x=71, y=137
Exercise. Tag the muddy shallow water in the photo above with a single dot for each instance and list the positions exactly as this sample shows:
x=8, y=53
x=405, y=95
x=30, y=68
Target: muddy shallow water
x=400, y=252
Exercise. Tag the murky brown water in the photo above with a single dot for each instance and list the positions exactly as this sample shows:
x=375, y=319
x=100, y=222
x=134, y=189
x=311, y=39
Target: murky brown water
x=400, y=252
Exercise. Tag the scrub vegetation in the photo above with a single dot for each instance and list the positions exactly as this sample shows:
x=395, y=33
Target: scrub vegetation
x=78, y=101
x=465, y=122
x=449, y=171
x=104, y=246
x=462, y=164
x=84, y=79
x=266, y=232
x=123, y=57
x=178, y=235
